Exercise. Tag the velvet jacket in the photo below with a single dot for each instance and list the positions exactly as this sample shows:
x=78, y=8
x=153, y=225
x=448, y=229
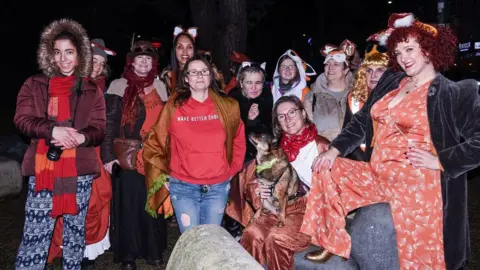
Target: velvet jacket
x=357, y=153
x=453, y=110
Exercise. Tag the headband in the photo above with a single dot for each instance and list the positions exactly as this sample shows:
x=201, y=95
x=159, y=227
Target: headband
x=339, y=54
x=248, y=64
x=192, y=31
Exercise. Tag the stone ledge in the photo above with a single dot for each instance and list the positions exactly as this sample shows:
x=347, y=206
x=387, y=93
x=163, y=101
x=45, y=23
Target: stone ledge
x=210, y=247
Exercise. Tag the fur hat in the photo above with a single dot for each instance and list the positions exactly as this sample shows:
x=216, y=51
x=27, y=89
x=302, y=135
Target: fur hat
x=45, y=55
x=143, y=47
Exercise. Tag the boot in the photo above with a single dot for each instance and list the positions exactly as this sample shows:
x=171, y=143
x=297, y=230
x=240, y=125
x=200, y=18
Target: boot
x=319, y=256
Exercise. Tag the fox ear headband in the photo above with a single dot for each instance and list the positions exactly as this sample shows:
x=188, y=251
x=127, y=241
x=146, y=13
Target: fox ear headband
x=399, y=20
x=192, y=31
x=248, y=64
x=340, y=53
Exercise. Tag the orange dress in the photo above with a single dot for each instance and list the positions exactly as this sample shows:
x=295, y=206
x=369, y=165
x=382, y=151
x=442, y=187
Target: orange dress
x=414, y=195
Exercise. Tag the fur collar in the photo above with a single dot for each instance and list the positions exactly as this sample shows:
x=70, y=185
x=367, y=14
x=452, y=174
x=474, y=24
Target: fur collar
x=45, y=50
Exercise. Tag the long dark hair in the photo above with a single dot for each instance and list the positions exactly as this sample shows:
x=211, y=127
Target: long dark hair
x=174, y=65
x=183, y=88
x=277, y=129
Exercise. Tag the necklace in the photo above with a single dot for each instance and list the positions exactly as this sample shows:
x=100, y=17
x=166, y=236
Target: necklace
x=413, y=89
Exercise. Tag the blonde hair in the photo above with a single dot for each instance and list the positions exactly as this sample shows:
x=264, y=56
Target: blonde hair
x=360, y=89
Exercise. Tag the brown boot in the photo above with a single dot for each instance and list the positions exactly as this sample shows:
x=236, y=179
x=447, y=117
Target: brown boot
x=319, y=256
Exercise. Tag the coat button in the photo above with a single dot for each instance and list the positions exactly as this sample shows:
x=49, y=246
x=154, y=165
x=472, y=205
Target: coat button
x=432, y=91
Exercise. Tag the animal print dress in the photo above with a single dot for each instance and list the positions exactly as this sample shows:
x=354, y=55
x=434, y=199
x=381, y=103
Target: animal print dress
x=414, y=194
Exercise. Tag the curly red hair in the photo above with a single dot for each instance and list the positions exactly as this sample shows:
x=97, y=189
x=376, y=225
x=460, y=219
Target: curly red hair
x=440, y=48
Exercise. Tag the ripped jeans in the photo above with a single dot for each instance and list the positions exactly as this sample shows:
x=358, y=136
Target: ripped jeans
x=198, y=204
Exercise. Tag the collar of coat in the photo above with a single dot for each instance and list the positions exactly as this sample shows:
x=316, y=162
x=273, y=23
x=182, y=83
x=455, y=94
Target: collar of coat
x=156, y=150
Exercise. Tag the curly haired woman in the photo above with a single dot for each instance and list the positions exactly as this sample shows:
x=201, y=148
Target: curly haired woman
x=423, y=135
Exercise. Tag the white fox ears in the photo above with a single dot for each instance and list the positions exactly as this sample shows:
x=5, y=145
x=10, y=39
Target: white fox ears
x=248, y=64
x=192, y=31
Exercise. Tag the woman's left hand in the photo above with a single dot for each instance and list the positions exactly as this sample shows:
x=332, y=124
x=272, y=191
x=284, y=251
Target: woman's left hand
x=423, y=159
x=79, y=139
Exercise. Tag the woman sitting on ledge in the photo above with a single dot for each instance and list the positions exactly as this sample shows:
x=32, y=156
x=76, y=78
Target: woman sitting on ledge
x=267, y=243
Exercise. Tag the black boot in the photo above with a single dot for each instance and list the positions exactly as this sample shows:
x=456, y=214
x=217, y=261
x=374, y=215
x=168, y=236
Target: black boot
x=233, y=227
x=88, y=264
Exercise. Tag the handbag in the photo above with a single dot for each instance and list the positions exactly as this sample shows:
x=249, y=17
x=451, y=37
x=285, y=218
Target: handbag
x=126, y=151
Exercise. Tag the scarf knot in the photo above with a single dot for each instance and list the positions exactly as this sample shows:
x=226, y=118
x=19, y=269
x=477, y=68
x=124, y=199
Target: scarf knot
x=291, y=144
x=135, y=85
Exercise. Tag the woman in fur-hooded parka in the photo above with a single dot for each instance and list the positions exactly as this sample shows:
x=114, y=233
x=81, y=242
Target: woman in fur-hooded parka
x=61, y=161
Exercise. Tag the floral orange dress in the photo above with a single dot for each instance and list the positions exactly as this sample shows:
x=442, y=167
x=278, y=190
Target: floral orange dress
x=414, y=194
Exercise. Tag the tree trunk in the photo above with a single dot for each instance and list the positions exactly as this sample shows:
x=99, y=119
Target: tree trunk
x=204, y=16
x=232, y=34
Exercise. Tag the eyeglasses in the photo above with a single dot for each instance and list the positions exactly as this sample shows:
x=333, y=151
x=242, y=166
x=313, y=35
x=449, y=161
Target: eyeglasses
x=203, y=72
x=143, y=50
x=284, y=67
x=292, y=113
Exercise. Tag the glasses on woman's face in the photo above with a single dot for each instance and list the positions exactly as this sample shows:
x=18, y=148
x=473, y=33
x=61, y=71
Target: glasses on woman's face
x=285, y=67
x=195, y=73
x=292, y=113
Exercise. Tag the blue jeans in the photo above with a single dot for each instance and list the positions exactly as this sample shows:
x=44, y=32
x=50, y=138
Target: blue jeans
x=198, y=204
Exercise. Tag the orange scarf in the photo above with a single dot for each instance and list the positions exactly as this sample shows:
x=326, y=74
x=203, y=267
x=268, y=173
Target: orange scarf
x=59, y=176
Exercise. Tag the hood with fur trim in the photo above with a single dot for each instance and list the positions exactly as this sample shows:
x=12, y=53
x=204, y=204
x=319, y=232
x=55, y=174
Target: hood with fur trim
x=45, y=56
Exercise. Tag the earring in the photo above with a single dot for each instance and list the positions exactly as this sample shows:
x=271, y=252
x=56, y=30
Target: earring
x=427, y=60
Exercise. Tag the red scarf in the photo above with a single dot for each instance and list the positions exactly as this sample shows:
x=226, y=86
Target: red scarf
x=136, y=84
x=291, y=144
x=59, y=176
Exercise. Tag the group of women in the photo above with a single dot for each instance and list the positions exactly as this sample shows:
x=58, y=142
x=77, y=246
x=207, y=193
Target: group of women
x=177, y=146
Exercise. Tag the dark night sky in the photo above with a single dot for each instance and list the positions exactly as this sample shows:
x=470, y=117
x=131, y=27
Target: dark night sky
x=282, y=27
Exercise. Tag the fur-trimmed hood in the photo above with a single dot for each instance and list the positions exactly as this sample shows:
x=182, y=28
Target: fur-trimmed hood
x=45, y=50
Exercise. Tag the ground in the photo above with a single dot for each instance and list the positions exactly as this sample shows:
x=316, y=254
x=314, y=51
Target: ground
x=12, y=217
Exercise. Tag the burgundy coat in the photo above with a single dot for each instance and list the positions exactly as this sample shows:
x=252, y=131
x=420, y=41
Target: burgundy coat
x=90, y=120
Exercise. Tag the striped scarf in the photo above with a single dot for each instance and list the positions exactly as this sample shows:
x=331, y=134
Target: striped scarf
x=59, y=176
